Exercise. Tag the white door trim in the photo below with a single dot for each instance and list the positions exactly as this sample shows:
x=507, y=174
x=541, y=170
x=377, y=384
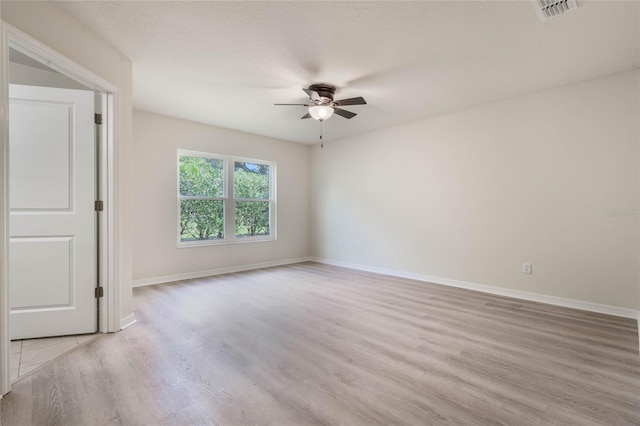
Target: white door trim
x=5, y=342
x=109, y=306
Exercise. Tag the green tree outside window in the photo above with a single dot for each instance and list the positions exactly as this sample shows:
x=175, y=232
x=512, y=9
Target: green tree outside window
x=201, y=217
x=212, y=187
x=250, y=187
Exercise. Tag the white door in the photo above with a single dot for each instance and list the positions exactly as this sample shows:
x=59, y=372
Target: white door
x=52, y=178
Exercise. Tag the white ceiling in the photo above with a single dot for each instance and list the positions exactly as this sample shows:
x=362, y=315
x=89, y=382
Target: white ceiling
x=227, y=63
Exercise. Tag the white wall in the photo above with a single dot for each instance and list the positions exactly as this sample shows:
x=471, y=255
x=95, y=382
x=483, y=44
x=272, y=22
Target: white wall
x=30, y=76
x=471, y=195
x=155, y=254
x=54, y=27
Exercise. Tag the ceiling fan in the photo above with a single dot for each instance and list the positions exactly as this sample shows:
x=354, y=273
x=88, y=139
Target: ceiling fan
x=322, y=105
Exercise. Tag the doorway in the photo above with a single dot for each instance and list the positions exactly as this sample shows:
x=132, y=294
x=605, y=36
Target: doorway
x=53, y=179
x=61, y=198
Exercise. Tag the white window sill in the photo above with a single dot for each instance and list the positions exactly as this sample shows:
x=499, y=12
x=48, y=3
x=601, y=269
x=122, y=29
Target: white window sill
x=203, y=243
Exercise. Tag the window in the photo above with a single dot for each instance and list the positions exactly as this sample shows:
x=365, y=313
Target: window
x=252, y=195
x=224, y=199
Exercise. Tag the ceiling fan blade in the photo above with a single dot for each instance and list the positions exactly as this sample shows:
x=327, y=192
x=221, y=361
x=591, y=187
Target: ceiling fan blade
x=313, y=95
x=294, y=104
x=351, y=101
x=344, y=113
x=307, y=115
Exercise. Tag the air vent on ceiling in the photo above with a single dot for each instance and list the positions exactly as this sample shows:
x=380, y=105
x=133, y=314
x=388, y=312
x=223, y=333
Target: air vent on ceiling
x=550, y=8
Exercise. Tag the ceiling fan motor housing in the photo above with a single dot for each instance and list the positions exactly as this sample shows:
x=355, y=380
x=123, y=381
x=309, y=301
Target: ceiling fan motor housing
x=324, y=90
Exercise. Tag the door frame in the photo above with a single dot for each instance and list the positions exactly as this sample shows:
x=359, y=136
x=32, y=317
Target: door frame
x=108, y=313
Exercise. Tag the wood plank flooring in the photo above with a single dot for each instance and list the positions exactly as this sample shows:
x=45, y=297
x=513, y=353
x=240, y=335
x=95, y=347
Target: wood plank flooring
x=311, y=344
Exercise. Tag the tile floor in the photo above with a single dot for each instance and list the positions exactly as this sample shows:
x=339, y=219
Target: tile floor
x=27, y=355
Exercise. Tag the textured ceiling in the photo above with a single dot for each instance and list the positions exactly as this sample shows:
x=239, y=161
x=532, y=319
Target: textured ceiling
x=227, y=63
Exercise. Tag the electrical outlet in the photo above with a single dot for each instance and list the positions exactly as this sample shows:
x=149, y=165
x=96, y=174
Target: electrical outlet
x=526, y=268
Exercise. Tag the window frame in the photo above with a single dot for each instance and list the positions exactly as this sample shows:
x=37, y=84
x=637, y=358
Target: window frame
x=228, y=200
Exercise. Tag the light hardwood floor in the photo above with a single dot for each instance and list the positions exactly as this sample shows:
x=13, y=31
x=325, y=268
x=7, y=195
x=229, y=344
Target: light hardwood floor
x=311, y=344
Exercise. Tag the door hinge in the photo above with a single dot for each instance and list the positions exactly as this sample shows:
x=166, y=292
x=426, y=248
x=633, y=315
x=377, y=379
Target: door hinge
x=99, y=292
x=97, y=118
x=99, y=206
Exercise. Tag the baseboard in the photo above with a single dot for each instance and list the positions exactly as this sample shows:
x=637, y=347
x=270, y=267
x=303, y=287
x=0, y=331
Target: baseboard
x=127, y=321
x=218, y=271
x=517, y=294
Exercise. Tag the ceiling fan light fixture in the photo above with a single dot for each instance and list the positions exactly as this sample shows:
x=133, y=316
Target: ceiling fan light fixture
x=320, y=112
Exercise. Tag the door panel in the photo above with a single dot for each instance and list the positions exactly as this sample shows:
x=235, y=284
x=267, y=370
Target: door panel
x=42, y=155
x=52, y=179
x=51, y=283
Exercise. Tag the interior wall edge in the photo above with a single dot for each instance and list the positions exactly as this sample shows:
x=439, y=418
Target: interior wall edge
x=484, y=288
x=217, y=271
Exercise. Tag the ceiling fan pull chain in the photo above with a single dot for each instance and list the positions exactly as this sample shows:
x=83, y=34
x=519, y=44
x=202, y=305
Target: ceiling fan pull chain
x=321, y=140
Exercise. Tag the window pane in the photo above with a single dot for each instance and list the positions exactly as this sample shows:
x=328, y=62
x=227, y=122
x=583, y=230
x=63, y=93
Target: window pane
x=252, y=218
x=201, y=220
x=201, y=177
x=250, y=180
